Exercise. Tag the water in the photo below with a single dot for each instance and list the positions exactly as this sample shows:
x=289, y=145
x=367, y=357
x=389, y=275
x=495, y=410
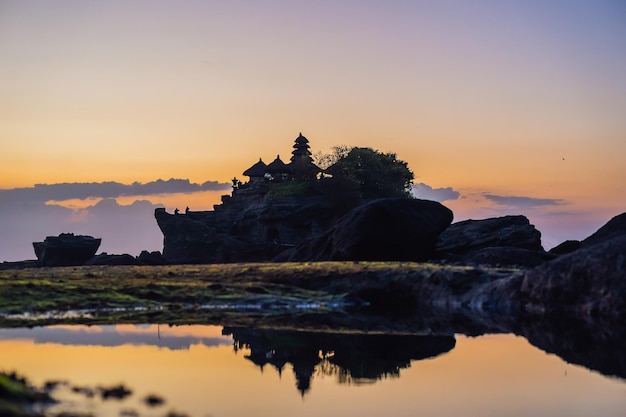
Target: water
x=203, y=371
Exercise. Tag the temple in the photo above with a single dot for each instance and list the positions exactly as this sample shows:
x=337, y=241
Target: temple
x=300, y=167
x=276, y=208
x=261, y=175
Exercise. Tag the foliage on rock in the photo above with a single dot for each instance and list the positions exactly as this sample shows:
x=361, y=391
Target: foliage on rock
x=364, y=174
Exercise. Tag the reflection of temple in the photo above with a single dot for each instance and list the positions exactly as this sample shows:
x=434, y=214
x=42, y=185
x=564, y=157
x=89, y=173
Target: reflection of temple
x=351, y=358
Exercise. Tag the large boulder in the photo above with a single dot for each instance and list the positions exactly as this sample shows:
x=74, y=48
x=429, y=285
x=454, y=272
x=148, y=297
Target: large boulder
x=590, y=281
x=508, y=231
x=395, y=229
x=66, y=249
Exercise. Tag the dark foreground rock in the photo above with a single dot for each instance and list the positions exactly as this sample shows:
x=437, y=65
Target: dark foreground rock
x=589, y=281
x=382, y=230
x=502, y=256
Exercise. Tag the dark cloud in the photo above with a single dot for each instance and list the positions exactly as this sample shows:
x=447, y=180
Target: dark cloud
x=523, y=202
x=110, y=189
x=426, y=192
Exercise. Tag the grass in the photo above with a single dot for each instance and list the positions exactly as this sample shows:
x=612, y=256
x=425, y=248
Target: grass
x=171, y=294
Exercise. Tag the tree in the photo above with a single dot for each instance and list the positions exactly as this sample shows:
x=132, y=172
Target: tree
x=368, y=172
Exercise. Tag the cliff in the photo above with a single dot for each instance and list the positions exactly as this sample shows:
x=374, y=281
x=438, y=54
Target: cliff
x=249, y=225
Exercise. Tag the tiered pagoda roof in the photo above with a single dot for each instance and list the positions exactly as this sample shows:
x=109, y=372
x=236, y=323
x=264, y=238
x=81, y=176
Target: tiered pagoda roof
x=257, y=170
x=277, y=166
x=301, y=164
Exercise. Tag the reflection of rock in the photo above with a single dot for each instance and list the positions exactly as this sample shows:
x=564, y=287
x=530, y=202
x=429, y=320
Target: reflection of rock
x=66, y=249
x=350, y=357
x=596, y=344
x=381, y=230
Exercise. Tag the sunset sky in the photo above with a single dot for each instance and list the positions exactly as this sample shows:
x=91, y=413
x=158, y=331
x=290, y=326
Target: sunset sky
x=502, y=107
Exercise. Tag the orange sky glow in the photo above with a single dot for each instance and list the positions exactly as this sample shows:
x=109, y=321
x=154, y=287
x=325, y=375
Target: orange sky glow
x=488, y=97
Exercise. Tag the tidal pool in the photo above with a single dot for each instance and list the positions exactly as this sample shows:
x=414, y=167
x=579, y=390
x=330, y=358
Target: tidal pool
x=202, y=371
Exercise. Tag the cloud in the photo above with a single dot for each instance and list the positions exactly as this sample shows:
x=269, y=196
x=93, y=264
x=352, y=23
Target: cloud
x=522, y=202
x=427, y=192
x=110, y=189
x=123, y=228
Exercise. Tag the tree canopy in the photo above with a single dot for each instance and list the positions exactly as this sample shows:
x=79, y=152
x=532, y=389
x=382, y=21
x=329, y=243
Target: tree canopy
x=366, y=174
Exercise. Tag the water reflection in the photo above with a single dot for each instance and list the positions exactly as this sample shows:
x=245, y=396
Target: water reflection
x=211, y=370
x=351, y=358
x=116, y=335
x=596, y=344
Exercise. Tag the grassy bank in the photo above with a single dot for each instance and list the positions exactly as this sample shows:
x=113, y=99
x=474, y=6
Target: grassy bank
x=212, y=293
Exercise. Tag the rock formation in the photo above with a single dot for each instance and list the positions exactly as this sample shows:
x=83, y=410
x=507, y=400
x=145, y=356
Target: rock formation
x=508, y=240
x=66, y=249
x=613, y=228
x=382, y=230
x=236, y=232
x=591, y=280
x=507, y=231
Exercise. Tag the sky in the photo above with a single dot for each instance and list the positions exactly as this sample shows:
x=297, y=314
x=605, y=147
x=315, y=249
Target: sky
x=498, y=107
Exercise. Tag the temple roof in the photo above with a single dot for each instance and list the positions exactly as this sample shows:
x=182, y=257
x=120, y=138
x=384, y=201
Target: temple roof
x=303, y=164
x=257, y=170
x=277, y=166
x=301, y=139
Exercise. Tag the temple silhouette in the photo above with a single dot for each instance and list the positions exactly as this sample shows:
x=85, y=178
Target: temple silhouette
x=279, y=206
x=300, y=167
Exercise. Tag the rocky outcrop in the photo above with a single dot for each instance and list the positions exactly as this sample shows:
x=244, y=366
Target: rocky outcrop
x=508, y=231
x=568, y=246
x=66, y=249
x=382, y=230
x=236, y=232
x=500, y=241
x=613, y=228
x=589, y=281
x=151, y=258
